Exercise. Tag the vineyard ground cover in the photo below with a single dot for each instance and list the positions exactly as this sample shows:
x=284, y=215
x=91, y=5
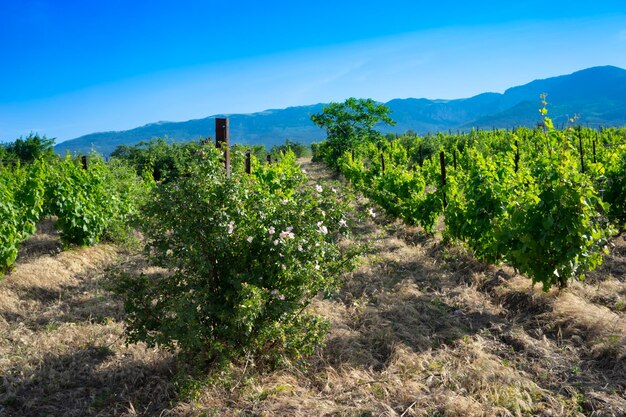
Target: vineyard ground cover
x=419, y=329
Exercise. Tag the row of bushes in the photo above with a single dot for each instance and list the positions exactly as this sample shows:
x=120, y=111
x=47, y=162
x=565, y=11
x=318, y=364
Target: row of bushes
x=90, y=205
x=245, y=254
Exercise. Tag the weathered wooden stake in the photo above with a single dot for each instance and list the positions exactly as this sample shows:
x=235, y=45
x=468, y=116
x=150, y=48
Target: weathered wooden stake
x=421, y=161
x=594, y=147
x=442, y=162
x=382, y=161
x=268, y=158
x=248, y=161
x=454, y=158
x=580, y=148
x=222, y=140
x=516, y=156
x=84, y=161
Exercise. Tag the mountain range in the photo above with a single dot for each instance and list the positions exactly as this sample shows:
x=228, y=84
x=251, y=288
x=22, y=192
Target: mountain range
x=596, y=95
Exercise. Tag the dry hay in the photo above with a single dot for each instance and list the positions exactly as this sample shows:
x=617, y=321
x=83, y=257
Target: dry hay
x=419, y=329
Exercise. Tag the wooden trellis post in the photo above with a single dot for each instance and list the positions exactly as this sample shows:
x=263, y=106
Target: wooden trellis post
x=248, y=170
x=442, y=163
x=222, y=140
x=580, y=148
x=421, y=161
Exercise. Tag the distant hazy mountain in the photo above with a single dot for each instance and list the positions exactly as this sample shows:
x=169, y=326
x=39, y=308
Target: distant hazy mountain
x=597, y=95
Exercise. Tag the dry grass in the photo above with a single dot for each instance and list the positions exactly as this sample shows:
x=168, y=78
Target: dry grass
x=419, y=329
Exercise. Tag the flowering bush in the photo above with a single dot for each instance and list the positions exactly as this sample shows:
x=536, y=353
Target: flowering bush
x=246, y=255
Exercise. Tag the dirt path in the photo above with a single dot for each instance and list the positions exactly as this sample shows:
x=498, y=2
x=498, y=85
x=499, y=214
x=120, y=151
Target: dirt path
x=419, y=329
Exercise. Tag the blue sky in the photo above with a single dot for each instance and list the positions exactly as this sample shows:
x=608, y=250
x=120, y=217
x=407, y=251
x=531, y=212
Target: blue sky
x=75, y=67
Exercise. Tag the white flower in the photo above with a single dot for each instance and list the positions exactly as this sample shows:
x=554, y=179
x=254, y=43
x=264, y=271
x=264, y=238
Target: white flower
x=317, y=267
x=289, y=228
x=323, y=213
x=283, y=267
x=371, y=212
x=271, y=230
x=300, y=248
x=284, y=202
x=286, y=235
x=249, y=239
x=303, y=171
x=319, y=188
x=323, y=230
x=343, y=223
x=333, y=189
x=276, y=242
x=231, y=227
x=278, y=295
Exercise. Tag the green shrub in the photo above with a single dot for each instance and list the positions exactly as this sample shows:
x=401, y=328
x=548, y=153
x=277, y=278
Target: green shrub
x=21, y=205
x=94, y=203
x=246, y=256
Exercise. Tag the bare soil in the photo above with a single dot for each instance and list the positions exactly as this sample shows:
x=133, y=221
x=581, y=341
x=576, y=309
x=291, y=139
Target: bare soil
x=419, y=329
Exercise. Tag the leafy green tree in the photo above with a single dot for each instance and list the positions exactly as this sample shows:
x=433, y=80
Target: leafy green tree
x=349, y=124
x=163, y=159
x=29, y=149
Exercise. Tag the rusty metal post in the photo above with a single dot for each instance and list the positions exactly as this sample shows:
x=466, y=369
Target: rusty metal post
x=84, y=161
x=222, y=137
x=382, y=161
x=516, y=156
x=442, y=162
x=248, y=162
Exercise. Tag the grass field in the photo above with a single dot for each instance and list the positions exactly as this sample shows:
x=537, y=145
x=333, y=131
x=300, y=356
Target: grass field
x=419, y=329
